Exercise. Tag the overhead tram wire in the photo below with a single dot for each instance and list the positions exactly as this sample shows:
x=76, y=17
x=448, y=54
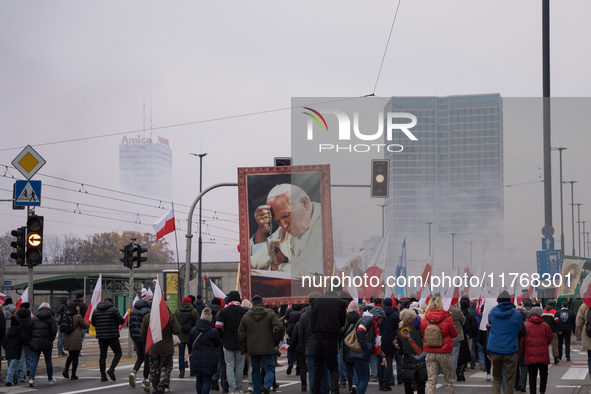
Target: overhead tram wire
x=386, y=49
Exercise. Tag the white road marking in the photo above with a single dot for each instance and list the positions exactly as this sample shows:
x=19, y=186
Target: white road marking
x=575, y=373
x=97, y=388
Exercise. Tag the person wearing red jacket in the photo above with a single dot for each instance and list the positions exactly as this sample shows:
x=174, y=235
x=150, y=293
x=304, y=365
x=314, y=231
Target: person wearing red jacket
x=439, y=357
x=538, y=337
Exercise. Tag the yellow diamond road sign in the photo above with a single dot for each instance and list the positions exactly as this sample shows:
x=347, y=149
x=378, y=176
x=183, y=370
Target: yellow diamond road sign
x=28, y=162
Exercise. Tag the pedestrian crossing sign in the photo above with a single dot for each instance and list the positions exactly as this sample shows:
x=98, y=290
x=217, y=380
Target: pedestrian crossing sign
x=27, y=193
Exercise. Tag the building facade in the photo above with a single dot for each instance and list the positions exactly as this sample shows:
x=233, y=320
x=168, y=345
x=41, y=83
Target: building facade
x=451, y=177
x=145, y=167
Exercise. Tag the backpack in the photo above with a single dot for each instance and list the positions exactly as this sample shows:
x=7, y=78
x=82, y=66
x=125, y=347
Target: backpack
x=186, y=321
x=588, y=323
x=66, y=324
x=433, y=337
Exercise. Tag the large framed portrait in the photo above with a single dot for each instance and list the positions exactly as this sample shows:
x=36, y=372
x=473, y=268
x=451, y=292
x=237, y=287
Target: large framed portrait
x=285, y=232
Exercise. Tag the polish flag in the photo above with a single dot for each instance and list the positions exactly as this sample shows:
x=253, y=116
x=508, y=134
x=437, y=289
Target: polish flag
x=24, y=298
x=452, y=294
x=2, y=298
x=377, y=266
x=425, y=278
x=159, y=317
x=126, y=317
x=164, y=225
x=217, y=293
x=97, y=296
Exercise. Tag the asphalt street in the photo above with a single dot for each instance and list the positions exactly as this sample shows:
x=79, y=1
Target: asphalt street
x=564, y=378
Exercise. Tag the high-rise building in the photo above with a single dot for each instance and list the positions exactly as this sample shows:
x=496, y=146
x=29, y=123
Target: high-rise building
x=145, y=167
x=452, y=177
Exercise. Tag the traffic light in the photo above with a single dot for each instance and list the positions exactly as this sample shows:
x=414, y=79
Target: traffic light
x=19, y=245
x=379, y=178
x=128, y=257
x=34, y=240
x=138, y=255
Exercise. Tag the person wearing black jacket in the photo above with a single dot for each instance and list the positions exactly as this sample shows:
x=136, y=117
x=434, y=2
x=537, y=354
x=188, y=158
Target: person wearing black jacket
x=305, y=335
x=291, y=318
x=2, y=329
x=328, y=317
x=215, y=307
x=227, y=323
x=23, y=315
x=106, y=319
x=550, y=317
x=13, y=343
x=567, y=320
x=412, y=371
x=470, y=328
x=83, y=310
x=61, y=311
x=203, y=342
x=388, y=330
x=298, y=347
x=42, y=333
x=352, y=318
x=140, y=309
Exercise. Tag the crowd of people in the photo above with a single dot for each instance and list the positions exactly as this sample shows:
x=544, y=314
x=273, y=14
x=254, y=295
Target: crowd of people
x=334, y=342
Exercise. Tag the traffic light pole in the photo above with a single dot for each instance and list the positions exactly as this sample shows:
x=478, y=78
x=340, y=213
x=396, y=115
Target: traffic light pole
x=131, y=296
x=190, y=236
x=30, y=285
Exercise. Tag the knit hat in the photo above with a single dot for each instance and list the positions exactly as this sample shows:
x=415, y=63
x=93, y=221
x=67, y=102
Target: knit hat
x=79, y=294
x=551, y=303
x=536, y=310
x=26, y=305
x=504, y=296
x=246, y=304
x=257, y=300
x=378, y=311
x=216, y=301
x=147, y=297
x=387, y=302
x=192, y=298
x=233, y=296
x=206, y=314
x=353, y=306
x=187, y=299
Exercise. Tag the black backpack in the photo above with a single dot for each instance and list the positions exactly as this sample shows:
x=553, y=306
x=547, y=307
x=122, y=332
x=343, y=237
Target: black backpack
x=186, y=321
x=66, y=324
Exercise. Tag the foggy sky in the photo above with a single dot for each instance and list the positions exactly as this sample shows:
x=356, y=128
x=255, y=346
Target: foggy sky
x=77, y=70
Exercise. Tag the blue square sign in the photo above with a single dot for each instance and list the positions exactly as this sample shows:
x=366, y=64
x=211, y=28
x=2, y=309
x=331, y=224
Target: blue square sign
x=27, y=193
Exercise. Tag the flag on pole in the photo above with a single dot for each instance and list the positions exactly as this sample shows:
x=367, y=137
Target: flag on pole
x=24, y=298
x=452, y=293
x=401, y=268
x=159, y=316
x=97, y=296
x=164, y=225
x=216, y=291
x=2, y=298
x=126, y=317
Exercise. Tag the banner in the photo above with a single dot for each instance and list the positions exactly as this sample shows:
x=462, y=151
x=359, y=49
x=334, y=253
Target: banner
x=412, y=342
x=573, y=269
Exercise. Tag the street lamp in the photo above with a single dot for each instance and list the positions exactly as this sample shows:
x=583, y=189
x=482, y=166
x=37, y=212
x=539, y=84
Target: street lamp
x=561, y=203
x=572, y=200
x=187, y=277
x=584, y=221
x=579, y=222
x=452, y=252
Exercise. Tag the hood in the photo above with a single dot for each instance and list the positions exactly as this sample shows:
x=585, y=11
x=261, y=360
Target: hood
x=536, y=319
x=204, y=325
x=298, y=307
x=199, y=302
x=141, y=304
x=503, y=310
x=215, y=309
x=23, y=313
x=258, y=312
x=378, y=311
x=103, y=305
x=417, y=322
x=437, y=315
x=388, y=310
x=186, y=307
x=44, y=314
x=352, y=317
x=64, y=300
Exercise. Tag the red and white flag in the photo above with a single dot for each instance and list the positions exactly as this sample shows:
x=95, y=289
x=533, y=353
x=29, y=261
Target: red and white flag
x=24, y=298
x=164, y=225
x=425, y=277
x=217, y=293
x=585, y=291
x=126, y=317
x=159, y=316
x=377, y=266
x=2, y=298
x=97, y=296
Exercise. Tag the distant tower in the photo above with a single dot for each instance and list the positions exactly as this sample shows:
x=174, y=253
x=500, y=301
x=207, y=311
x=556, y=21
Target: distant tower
x=145, y=166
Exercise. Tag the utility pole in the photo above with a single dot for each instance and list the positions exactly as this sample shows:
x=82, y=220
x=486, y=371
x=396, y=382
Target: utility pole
x=131, y=296
x=572, y=200
x=188, y=262
x=31, y=292
x=561, y=203
x=582, y=221
x=546, y=114
x=452, y=252
x=579, y=222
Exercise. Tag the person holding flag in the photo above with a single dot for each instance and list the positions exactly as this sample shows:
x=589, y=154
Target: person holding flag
x=158, y=326
x=140, y=309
